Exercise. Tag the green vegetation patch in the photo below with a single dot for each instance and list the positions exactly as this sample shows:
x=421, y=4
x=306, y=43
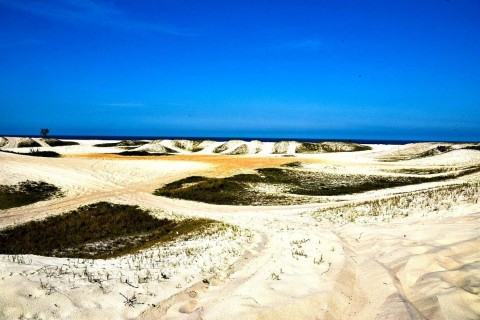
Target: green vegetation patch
x=36, y=153
x=122, y=144
x=242, y=149
x=28, y=143
x=294, y=164
x=190, y=145
x=26, y=192
x=101, y=230
x=473, y=147
x=106, y=144
x=221, y=148
x=141, y=153
x=45, y=154
x=312, y=147
x=52, y=142
x=275, y=186
x=421, y=171
x=233, y=190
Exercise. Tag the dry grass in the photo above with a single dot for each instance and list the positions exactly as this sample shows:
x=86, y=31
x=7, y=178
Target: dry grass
x=53, y=142
x=100, y=230
x=273, y=186
x=386, y=209
x=26, y=192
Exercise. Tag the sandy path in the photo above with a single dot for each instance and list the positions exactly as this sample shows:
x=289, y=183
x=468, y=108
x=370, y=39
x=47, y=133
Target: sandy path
x=413, y=269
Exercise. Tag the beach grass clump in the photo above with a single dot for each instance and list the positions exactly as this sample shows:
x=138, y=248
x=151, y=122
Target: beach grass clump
x=339, y=146
x=221, y=148
x=308, y=147
x=45, y=154
x=126, y=144
x=106, y=144
x=53, y=142
x=27, y=143
x=26, y=192
x=316, y=147
x=421, y=171
x=189, y=145
x=98, y=231
x=36, y=153
x=242, y=149
x=403, y=205
x=294, y=164
x=141, y=153
x=235, y=190
x=473, y=147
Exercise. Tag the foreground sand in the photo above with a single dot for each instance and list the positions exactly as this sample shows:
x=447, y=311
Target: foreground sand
x=282, y=262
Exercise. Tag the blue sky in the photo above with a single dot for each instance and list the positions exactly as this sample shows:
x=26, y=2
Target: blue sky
x=298, y=69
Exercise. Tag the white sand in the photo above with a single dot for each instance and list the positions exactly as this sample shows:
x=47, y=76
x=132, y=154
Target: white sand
x=281, y=263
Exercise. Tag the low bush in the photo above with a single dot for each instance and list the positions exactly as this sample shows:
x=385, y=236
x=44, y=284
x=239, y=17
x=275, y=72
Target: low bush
x=100, y=230
x=122, y=144
x=27, y=192
x=28, y=143
x=52, y=142
x=36, y=153
x=473, y=147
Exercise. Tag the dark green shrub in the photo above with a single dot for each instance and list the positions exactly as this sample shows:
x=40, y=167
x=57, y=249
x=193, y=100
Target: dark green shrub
x=26, y=192
x=99, y=230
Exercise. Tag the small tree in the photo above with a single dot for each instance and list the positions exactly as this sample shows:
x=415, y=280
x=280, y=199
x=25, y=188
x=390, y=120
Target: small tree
x=44, y=132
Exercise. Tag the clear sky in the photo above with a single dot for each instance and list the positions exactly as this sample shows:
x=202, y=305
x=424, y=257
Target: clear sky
x=348, y=69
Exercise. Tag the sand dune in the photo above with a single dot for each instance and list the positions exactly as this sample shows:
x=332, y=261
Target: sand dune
x=277, y=262
x=422, y=150
x=232, y=147
x=159, y=146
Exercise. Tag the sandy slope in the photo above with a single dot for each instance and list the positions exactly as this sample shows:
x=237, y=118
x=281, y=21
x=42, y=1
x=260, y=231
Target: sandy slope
x=288, y=266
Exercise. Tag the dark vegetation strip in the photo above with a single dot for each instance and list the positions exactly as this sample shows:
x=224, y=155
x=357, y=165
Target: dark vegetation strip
x=29, y=143
x=294, y=164
x=240, y=189
x=314, y=147
x=36, y=153
x=52, y=142
x=101, y=230
x=123, y=143
x=106, y=144
x=27, y=192
x=474, y=147
x=142, y=153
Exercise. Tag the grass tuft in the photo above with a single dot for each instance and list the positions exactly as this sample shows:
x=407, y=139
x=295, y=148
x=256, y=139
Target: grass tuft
x=26, y=192
x=27, y=143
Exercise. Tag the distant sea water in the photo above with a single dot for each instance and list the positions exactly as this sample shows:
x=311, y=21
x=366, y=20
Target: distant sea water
x=361, y=141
